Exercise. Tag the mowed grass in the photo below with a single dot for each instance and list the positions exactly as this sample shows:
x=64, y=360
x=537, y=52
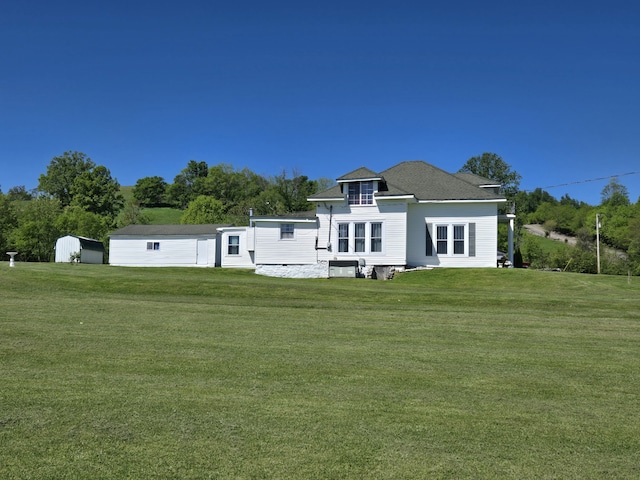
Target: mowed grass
x=114, y=373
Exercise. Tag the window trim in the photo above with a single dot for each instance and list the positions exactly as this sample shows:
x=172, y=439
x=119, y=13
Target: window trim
x=357, y=194
x=443, y=239
x=285, y=234
x=343, y=241
x=359, y=237
x=376, y=239
x=349, y=244
x=233, y=246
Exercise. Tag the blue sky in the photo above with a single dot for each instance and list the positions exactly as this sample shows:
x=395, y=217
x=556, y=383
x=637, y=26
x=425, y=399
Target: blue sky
x=322, y=88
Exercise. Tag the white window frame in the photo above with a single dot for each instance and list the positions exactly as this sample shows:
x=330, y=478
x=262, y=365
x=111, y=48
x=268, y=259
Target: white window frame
x=359, y=237
x=343, y=241
x=360, y=193
x=377, y=239
x=361, y=245
x=287, y=231
x=449, y=242
x=456, y=240
x=235, y=246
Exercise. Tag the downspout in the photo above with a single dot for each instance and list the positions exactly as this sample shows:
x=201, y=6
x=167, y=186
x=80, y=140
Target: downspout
x=330, y=220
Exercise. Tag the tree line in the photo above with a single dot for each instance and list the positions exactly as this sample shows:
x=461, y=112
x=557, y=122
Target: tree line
x=77, y=196
x=618, y=228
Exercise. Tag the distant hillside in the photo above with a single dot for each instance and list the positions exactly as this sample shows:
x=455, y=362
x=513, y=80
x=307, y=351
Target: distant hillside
x=127, y=192
x=163, y=215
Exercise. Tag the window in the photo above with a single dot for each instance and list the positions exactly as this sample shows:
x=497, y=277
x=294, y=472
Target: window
x=359, y=237
x=343, y=237
x=355, y=237
x=441, y=239
x=451, y=240
x=376, y=237
x=458, y=239
x=361, y=193
x=153, y=245
x=234, y=245
x=286, y=231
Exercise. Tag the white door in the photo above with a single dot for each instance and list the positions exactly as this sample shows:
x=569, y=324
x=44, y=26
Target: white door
x=201, y=258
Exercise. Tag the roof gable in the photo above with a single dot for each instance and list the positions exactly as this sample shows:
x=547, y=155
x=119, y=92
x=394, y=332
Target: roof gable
x=361, y=173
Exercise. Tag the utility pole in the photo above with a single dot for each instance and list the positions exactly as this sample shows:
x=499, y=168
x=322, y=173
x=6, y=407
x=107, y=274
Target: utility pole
x=598, y=239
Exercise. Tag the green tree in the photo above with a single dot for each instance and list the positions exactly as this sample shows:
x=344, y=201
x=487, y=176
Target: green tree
x=73, y=178
x=204, y=210
x=132, y=214
x=295, y=191
x=182, y=190
x=97, y=192
x=36, y=233
x=493, y=167
x=230, y=186
x=77, y=221
x=19, y=193
x=150, y=191
x=614, y=194
x=633, y=252
x=8, y=222
x=62, y=173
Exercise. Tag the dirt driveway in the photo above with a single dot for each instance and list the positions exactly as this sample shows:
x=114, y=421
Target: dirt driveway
x=540, y=232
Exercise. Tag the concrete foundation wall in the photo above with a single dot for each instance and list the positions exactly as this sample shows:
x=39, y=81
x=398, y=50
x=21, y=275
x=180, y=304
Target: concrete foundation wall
x=317, y=270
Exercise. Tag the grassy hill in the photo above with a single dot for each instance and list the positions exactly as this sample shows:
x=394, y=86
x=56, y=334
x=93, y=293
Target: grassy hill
x=157, y=216
x=207, y=373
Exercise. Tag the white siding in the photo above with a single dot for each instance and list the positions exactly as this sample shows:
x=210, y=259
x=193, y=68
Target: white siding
x=173, y=251
x=299, y=250
x=483, y=215
x=65, y=247
x=392, y=215
x=244, y=258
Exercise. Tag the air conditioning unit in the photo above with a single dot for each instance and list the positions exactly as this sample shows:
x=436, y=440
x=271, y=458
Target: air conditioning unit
x=343, y=268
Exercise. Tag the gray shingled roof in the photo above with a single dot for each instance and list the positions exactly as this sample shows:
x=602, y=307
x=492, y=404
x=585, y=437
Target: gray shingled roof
x=474, y=179
x=207, y=229
x=361, y=173
x=416, y=178
x=310, y=215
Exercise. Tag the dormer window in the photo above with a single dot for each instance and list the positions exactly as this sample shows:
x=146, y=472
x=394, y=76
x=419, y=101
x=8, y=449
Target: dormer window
x=361, y=193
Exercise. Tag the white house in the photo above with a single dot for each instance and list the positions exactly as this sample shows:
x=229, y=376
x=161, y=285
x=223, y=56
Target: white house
x=165, y=246
x=78, y=249
x=275, y=245
x=410, y=215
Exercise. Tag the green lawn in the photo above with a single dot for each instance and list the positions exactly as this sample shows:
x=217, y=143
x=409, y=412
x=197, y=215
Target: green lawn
x=115, y=373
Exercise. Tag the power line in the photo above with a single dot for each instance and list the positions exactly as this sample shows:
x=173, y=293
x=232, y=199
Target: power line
x=587, y=181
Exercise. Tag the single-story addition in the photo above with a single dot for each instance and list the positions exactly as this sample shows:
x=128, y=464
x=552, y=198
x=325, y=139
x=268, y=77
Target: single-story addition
x=410, y=215
x=165, y=246
x=72, y=248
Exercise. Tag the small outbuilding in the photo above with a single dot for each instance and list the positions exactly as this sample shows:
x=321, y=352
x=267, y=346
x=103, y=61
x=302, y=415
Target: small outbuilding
x=73, y=248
